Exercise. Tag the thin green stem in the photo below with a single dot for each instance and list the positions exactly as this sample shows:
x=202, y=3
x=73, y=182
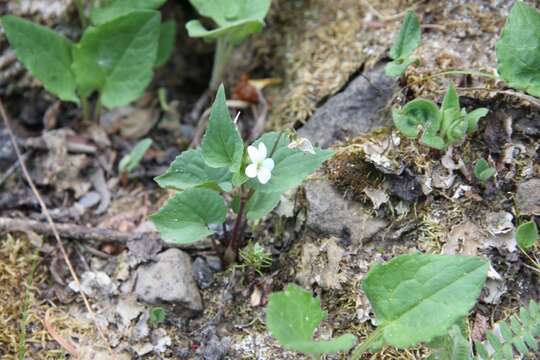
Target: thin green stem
x=97, y=111
x=221, y=59
x=85, y=109
x=82, y=16
x=363, y=347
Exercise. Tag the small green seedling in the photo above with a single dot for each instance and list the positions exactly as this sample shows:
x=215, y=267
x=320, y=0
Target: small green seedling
x=441, y=127
x=115, y=56
x=518, y=53
x=482, y=170
x=292, y=317
x=407, y=40
x=133, y=159
x=527, y=235
x=253, y=177
x=235, y=20
x=254, y=256
x=157, y=316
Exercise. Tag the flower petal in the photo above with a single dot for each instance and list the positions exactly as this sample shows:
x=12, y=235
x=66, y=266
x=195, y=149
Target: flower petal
x=264, y=175
x=251, y=170
x=268, y=164
x=253, y=154
x=262, y=151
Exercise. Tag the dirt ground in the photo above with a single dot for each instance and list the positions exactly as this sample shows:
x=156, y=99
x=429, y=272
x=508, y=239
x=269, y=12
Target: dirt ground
x=315, y=53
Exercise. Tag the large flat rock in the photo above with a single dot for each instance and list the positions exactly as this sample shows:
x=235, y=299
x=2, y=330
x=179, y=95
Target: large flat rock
x=354, y=111
x=330, y=214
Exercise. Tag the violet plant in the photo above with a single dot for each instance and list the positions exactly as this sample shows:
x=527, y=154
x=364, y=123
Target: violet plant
x=225, y=179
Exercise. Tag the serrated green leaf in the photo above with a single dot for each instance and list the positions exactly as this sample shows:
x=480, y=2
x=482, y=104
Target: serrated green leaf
x=117, y=57
x=167, y=37
x=482, y=171
x=132, y=160
x=293, y=315
x=518, y=55
x=235, y=19
x=407, y=40
x=118, y=8
x=222, y=145
x=260, y=204
x=527, y=234
x=46, y=54
x=291, y=166
x=417, y=297
x=185, y=218
x=189, y=170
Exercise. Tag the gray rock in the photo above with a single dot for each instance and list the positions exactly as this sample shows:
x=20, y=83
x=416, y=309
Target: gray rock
x=528, y=197
x=354, y=111
x=169, y=280
x=202, y=273
x=330, y=214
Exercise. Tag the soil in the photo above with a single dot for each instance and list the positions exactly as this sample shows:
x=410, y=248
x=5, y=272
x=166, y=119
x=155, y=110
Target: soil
x=323, y=61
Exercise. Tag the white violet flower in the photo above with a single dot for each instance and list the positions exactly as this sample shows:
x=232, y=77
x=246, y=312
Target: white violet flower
x=260, y=167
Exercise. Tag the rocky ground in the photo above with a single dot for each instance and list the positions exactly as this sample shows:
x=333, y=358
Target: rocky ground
x=380, y=196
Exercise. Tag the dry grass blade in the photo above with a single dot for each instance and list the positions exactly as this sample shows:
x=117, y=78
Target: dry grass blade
x=52, y=224
x=68, y=345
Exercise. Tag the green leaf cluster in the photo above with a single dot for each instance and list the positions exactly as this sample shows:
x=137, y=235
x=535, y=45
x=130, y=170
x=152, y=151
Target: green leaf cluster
x=520, y=334
x=234, y=19
x=442, y=126
x=115, y=56
x=407, y=40
x=416, y=298
x=482, y=171
x=527, y=235
x=518, y=49
x=133, y=159
x=157, y=315
x=292, y=317
x=203, y=175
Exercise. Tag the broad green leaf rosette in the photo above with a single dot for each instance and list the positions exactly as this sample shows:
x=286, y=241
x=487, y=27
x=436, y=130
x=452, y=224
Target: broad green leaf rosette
x=218, y=167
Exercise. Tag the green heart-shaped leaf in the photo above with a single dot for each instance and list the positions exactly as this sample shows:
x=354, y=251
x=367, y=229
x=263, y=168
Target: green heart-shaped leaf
x=293, y=315
x=46, y=54
x=185, y=218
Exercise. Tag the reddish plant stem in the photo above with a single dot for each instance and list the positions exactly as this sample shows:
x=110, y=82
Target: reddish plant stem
x=236, y=229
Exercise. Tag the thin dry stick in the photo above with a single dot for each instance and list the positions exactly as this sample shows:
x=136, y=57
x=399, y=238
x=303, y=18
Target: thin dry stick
x=53, y=226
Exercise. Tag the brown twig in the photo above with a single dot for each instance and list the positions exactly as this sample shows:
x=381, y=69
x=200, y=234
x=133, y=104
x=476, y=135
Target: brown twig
x=52, y=225
x=80, y=233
